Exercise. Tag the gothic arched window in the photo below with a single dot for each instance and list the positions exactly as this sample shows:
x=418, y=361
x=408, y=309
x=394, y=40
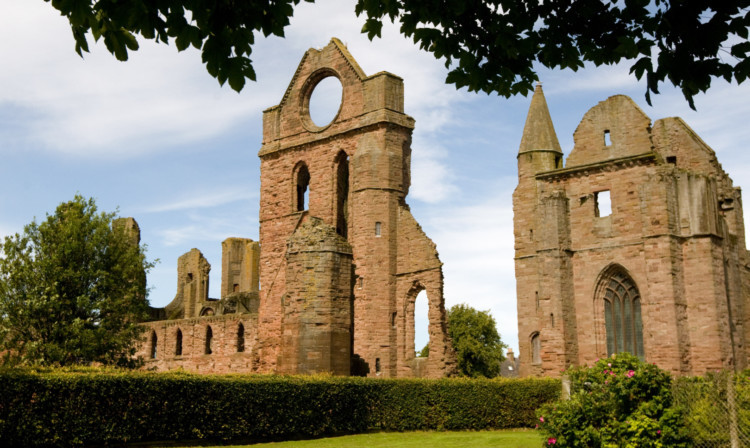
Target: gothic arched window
x=302, y=184
x=178, y=343
x=622, y=313
x=536, y=349
x=209, y=339
x=154, y=341
x=240, y=338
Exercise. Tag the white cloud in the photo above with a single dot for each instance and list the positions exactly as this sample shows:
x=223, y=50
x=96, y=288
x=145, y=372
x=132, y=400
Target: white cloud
x=475, y=242
x=202, y=200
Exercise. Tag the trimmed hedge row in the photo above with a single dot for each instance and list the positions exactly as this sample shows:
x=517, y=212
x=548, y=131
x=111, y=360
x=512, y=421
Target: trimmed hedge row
x=64, y=408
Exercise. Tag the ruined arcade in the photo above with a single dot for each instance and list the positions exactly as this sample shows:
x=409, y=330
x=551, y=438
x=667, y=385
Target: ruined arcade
x=331, y=285
x=662, y=274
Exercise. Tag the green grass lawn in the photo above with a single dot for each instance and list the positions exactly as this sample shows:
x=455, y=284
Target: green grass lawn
x=514, y=438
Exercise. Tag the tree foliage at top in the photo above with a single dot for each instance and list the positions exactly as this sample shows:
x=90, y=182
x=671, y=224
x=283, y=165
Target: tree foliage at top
x=477, y=343
x=72, y=290
x=487, y=45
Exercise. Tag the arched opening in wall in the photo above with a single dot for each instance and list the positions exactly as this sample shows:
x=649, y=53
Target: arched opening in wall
x=342, y=193
x=302, y=184
x=209, y=340
x=421, y=325
x=178, y=343
x=325, y=101
x=621, y=302
x=154, y=342
x=536, y=348
x=240, y=338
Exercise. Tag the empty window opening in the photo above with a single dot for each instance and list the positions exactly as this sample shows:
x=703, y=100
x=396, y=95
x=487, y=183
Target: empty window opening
x=190, y=277
x=607, y=138
x=552, y=319
x=209, y=340
x=537, y=299
x=558, y=161
x=393, y=319
x=153, y=345
x=240, y=338
x=236, y=287
x=377, y=365
x=325, y=101
x=536, y=349
x=378, y=228
x=360, y=282
x=421, y=324
x=178, y=343
x=672, y=160
x=303, y=184
x=531, y=234
x=342, y=194
x=602, y=204
x=622, y=315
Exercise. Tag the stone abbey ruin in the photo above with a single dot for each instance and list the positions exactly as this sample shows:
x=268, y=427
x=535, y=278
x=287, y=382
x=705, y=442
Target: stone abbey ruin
x=340, y=257
x=663, y=274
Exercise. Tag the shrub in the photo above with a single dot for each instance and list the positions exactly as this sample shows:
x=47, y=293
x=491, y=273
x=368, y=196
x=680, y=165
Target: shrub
x=619, y=402
x=99, y=407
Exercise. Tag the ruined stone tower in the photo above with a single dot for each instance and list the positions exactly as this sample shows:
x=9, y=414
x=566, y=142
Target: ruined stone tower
x=355, y=171
x=637, y=245
x=340, y=260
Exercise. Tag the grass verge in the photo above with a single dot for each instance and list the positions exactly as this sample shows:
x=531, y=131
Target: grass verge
x=509, y=438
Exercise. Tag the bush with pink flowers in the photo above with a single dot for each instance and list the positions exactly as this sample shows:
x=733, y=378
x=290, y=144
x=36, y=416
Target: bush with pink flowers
x=618, y=402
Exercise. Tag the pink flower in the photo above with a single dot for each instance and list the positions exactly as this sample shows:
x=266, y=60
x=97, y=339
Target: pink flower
x=536, y=426
x=541, y=419
x=551, y=441
x=631, y=373
x=609, y=364
x=658, y=431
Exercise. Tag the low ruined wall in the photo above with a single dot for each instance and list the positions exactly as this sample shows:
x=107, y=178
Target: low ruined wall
x=226, y=348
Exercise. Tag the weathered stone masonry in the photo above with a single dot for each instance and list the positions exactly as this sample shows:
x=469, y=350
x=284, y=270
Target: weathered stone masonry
x=341, y=259
x=664, y=275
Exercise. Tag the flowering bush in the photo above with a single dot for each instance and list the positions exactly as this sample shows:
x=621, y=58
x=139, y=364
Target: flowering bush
x=619, y=402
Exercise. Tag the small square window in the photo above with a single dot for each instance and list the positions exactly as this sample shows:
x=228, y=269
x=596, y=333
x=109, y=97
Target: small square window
x=602, y=204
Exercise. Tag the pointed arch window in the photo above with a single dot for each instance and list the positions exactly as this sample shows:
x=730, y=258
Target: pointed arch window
x=622, y=314
x=209, y=340
x=302, y=184
x=178, y=343
x=342, y=193
x=240, y=338
x=154, y=342
x=536, y=348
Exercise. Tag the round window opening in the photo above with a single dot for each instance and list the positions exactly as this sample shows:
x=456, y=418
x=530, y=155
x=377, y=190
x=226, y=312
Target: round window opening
x=325, y=101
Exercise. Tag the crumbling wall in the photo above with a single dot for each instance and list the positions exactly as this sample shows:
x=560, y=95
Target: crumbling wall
x=182, y=344
x=356, y=173
x=239, y=266
x=192, y=286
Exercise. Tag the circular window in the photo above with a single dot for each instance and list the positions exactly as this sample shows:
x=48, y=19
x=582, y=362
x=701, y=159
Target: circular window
x=325, y=101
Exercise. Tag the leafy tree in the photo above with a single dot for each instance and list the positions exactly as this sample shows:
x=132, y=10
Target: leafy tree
x=72, y=289
x=488, y=45
x=477, y=343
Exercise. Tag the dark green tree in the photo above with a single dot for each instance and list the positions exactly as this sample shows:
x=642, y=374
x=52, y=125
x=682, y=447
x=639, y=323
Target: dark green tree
x=72, y=290
x=477, y=343
x=487, y=45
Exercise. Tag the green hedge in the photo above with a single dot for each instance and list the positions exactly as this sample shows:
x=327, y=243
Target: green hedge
x=68, y=408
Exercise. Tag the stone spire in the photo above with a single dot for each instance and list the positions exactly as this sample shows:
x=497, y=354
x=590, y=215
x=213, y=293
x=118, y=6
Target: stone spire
x=539, y=133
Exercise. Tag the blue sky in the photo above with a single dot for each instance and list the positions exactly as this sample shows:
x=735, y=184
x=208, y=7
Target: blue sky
x=157, y=137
